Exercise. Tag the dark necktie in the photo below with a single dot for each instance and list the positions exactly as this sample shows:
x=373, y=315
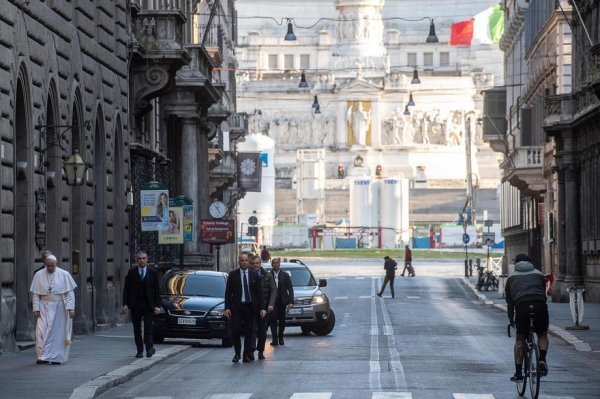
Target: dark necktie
x=246, y=290
x=142, y=273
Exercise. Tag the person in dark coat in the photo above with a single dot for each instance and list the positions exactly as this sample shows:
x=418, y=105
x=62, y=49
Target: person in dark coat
x=285, y=300
x=243, y=299
x=525, y=292
x=141, y=298
x=390, y=267
x=269, y=294
x=265, y=255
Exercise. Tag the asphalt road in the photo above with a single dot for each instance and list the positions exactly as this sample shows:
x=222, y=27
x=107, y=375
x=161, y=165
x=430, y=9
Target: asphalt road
x=434, y=340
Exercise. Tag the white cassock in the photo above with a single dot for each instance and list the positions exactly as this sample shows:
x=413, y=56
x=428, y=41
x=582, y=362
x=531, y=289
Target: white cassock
x=53, y=296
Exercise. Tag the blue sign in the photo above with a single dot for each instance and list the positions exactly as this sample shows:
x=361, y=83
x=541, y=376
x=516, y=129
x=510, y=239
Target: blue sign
x=264, y=157
x=466, y=238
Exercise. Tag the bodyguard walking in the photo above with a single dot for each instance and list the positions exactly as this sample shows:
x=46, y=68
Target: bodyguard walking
x=141, y=298
x=243, y=299
x=408, y=262
x=390, y=267
x=285, y=300
x=269, y=294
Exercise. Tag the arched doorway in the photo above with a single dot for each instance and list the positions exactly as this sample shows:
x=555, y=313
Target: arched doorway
x=102, y=315
x=52, y=160
x=24, y=212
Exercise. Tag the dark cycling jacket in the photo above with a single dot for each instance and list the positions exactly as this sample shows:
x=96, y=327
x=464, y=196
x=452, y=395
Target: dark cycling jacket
x=525, y=284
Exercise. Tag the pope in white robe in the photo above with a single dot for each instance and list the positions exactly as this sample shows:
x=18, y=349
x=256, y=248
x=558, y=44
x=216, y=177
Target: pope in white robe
x=54, y=307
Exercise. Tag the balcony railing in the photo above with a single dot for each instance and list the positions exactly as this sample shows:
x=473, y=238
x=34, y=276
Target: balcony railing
x=528, y=157
x=238, y=125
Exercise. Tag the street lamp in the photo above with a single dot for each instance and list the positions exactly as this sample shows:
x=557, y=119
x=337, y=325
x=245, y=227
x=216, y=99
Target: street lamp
x=75, y=168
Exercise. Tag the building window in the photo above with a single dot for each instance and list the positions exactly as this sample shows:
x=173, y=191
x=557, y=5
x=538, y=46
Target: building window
x=444, y=59
x=411, y=59
x=288, y=62
x=428, y=59
x=304, y=61
x=273, y=61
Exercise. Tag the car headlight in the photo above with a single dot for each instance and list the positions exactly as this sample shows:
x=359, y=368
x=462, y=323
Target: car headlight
x=162, y=310
x=317, y=299
x=217, y=312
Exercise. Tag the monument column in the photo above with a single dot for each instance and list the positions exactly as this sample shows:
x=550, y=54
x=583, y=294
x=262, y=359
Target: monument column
x=341, y=135
x=375, y=124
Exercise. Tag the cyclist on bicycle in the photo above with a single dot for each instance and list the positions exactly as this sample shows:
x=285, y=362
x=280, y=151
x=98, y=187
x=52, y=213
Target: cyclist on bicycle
x=525, y=292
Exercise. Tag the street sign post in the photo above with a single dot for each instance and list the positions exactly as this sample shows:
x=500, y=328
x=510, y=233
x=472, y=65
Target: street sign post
x=466, y=238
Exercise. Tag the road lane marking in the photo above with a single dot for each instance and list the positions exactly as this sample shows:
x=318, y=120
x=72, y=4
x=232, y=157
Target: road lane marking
x=340, y=298
x=396, y=363
x=230, y=396
x=413, y=297
x=390, y=395
x=374, y=369
x=360, y=297
x=473, y=396
x=312, y=395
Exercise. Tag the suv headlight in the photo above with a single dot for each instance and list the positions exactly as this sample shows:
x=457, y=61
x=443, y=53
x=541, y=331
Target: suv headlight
x=217, y=312
x=317, y=299
x=162, y=310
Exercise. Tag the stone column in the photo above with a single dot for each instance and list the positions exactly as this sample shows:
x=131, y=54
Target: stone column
x=375, y=124
x=189, y=174
x=571, y=215
x=341, y=137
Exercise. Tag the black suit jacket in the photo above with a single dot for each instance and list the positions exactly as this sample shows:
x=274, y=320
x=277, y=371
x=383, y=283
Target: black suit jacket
x=133, y=284
x=233, y=290
x=285, y=290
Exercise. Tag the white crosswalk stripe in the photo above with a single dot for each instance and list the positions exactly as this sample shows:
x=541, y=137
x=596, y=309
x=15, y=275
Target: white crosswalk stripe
x=332, y=395
x=391, y=395
x=337, y=298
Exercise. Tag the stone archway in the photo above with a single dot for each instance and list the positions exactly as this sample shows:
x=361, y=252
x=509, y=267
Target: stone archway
x=24, y=220
x=101, y=315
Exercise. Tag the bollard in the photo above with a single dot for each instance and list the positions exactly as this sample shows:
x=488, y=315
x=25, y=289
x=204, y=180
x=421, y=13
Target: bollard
x=576, y=304
x=470, y=267
x=466, y=268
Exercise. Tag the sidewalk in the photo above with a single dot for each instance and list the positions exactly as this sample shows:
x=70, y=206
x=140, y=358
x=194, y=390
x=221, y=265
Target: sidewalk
x=96, y=363
x=560, y=318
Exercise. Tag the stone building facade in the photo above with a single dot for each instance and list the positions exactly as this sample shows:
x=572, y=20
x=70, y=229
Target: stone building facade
x=139, y=89
x=537, y=40
x=572, y=120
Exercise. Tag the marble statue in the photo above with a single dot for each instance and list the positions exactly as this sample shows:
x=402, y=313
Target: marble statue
x=360, y=121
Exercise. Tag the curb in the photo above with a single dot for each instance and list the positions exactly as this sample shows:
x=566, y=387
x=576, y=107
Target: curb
x=98, y=385
x=561, y=333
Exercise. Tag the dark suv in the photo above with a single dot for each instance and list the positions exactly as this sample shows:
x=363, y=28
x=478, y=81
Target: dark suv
x=311, y=310
x=192, y=305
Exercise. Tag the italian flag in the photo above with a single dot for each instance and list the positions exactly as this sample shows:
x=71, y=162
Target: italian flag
x=487, y=27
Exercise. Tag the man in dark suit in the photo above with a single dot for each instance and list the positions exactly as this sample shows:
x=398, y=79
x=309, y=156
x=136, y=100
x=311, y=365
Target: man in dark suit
x=285, y=300
x=243, y=299
x=141, y=298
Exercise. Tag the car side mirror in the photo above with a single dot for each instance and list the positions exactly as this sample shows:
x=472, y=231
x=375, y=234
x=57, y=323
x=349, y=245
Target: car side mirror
x=322, y=282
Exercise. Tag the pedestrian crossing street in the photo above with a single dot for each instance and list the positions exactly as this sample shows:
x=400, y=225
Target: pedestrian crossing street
x=331, y=395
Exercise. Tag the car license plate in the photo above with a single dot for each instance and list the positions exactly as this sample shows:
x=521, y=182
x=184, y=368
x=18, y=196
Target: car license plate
x=295, y=311
x=186, y=321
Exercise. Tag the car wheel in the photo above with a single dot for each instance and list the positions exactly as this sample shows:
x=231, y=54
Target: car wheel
x=226, y=342
x=159, y=339
x=306, y=329
x=325, y=328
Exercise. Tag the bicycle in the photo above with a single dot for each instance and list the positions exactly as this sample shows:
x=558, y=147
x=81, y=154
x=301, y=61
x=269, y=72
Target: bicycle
x=487, y=280
x=531, y=355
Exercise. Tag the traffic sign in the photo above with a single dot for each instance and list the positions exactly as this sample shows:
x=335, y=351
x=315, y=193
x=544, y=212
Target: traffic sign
x=466, y=238
x=252, y=220
x=488, y=238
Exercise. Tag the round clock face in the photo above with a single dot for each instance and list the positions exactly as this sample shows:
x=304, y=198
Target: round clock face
x=217, y=209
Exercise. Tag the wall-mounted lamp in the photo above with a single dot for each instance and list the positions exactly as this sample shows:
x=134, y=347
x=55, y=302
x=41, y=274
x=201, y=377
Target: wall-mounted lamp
x=303, y=83
x=129, y=196
x=54, y=135
x=21, y=170
x=75, y=168
x=411, y=102
x=406, y=111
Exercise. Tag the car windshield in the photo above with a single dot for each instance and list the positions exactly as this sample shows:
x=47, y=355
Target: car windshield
x=301, y=277
x=196, y=285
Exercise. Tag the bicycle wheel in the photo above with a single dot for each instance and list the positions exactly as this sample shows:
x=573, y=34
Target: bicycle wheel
x=534, y=375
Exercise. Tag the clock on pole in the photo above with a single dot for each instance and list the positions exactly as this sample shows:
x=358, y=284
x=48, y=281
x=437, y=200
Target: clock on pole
x=217, y=209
